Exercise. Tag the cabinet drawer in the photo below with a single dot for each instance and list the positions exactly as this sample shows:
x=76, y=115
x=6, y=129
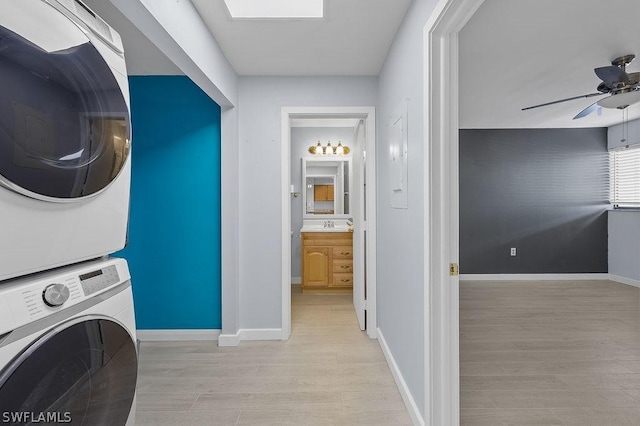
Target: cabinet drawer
x=342, y=265
x=343, y=252
x=327, y=238
x=342, y=280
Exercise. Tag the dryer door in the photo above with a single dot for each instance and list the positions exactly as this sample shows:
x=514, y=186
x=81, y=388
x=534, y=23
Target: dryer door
x=64, y=123
x=83, y=371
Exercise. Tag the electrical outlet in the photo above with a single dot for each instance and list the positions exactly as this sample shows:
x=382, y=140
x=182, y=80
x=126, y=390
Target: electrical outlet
x=513, y=251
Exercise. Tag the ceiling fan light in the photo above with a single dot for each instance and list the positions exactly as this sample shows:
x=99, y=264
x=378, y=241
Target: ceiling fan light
x=621, y=100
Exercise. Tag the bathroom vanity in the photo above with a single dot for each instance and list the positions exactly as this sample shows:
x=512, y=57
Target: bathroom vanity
x=327, y=261
x=327, y=231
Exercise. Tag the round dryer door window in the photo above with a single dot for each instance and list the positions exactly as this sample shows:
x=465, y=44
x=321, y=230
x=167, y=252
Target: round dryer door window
x=64, y=122
x=84, y=372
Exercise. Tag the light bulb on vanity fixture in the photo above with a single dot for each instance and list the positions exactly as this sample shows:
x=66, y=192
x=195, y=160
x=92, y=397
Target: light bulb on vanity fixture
x=329, y=149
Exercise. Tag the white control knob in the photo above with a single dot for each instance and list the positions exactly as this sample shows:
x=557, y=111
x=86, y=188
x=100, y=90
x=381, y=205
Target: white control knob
x=55, y=294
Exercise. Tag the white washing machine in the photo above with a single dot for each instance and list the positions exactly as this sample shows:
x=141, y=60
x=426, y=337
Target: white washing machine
x=68, y=346
x=64, y=136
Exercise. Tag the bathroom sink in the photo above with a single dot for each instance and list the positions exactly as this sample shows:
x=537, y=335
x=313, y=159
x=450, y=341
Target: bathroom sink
x=323, y=229
x=339, y=225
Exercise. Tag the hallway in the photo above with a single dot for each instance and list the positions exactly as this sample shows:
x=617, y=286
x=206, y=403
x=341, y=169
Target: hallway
x=327, y=373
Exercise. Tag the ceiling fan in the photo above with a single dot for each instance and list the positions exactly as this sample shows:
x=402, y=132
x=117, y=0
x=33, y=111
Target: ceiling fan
x=623, y=88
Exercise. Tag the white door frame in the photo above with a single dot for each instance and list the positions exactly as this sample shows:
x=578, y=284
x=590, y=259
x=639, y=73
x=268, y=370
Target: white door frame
x=442, y=346
x=369, y=115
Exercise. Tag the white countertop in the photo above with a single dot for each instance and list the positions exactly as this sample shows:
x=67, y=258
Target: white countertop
x=323, y=229
x=314, y=225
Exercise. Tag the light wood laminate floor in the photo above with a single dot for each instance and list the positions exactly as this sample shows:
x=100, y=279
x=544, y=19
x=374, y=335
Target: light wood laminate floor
x=328, y=373
x=549, y=353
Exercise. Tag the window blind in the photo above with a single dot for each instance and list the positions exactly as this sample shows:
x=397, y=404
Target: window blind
x=625, y=177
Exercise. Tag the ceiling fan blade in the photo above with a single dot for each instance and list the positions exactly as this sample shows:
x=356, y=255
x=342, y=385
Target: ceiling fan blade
x=565, y=100
x=588, y=110
x=634, y=78
x=612, y=75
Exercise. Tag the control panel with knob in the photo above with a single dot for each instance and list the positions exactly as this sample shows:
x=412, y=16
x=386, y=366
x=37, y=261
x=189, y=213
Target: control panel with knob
x=55, y=294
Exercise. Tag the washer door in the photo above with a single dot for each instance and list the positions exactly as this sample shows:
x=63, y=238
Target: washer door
x=83, y=371
x=64, y=123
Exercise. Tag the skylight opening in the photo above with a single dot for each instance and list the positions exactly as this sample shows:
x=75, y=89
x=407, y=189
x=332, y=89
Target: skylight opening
x=275, y=9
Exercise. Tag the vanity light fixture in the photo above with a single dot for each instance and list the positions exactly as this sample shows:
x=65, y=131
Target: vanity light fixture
x=318, y=149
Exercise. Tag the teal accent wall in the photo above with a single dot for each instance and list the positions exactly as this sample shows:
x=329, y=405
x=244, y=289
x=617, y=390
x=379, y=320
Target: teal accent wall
x=174, y=230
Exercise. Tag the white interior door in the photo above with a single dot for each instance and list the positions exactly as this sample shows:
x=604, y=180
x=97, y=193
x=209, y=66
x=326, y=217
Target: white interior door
x=359, y=222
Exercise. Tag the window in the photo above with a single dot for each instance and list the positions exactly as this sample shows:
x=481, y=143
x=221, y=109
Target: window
x=625, y=177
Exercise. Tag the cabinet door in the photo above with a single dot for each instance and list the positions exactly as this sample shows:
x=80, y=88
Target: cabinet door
x=330, y=192
x=320, y=193
x=315, y=263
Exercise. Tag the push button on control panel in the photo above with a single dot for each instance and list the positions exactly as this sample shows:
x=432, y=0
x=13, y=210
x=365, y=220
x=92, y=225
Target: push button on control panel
x=55, y=294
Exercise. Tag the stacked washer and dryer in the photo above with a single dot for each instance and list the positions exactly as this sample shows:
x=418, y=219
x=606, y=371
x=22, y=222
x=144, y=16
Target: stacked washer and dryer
x=67, y=326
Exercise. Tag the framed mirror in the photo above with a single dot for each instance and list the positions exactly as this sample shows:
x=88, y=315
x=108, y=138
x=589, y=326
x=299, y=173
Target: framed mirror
x=326, y=184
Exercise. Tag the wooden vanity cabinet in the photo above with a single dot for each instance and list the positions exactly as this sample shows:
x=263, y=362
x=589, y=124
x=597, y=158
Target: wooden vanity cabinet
x=327, y=261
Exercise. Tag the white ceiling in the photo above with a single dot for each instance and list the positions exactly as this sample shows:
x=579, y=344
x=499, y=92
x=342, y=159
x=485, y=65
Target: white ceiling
x=352, y=39
x=513, y=54
x=143, y=57
x=519, y=53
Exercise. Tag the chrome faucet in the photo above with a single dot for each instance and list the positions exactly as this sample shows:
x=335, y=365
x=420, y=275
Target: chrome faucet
x=329, y=224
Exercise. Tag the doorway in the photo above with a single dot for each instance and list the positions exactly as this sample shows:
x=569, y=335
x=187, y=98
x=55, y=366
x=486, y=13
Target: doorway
x=442, y=341
x=362, y=212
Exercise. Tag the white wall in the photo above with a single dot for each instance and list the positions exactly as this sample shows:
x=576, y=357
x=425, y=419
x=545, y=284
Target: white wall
x=261, y=100
x=401, y=256
x=624, y=245
x=624, y=225
x=624, y=134
x=301, y=139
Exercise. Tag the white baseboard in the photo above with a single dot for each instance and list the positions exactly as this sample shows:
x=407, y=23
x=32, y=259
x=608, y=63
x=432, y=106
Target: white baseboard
x=177, y=335
x=261, y=334
x=229, y=339
x=409, y=402
x=624, y=280
x=296, y=280
x=533, y=277
x=251, y=334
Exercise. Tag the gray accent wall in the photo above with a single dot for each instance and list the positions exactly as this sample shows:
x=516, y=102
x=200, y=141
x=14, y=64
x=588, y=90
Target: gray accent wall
x=543, y=191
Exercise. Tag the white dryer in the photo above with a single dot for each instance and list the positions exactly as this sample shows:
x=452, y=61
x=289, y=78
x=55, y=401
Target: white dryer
x=64, y=136
x=68, y=347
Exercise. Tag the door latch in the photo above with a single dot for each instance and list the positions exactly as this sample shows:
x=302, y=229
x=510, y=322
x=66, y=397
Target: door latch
x=453, y=269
